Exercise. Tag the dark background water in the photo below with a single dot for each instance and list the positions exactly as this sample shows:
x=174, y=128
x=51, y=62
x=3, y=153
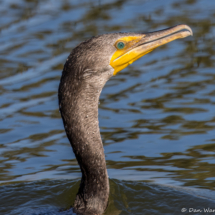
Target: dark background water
x=157, y=116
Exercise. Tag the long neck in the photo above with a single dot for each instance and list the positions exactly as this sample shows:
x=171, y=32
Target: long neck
x=78, y=101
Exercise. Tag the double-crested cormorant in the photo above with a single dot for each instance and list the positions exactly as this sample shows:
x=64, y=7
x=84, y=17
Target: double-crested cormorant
x=87, y=69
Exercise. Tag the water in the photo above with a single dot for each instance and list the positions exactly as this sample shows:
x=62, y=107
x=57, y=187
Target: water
x=157, y=117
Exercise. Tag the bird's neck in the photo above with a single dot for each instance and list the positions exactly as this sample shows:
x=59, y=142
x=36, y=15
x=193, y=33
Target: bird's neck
x=79, y=109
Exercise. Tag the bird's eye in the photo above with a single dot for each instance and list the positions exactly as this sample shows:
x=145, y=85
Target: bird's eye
x=120, y=45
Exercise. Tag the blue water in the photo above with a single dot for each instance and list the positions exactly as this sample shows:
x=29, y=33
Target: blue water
x=157, y=116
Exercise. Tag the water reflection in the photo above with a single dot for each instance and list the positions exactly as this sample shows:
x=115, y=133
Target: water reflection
x=125, y=197
x=156, y=117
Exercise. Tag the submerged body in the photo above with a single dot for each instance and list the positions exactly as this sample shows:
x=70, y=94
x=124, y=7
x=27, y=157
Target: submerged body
x=87, y=69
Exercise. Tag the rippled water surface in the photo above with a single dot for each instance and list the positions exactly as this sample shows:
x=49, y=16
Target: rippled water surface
x=157, y=116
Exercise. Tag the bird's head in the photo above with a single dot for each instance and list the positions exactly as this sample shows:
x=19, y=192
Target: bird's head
x=110, y=53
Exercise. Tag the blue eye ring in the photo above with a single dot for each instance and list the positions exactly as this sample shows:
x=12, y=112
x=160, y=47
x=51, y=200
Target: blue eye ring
x=120, y=45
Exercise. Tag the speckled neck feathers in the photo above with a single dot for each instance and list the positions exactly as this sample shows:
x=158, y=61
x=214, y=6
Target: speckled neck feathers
x=79, y=93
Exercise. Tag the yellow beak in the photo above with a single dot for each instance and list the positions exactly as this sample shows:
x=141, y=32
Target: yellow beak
x=141, y=44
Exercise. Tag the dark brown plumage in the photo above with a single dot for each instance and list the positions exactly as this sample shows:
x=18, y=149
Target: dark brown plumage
x=83, y=78
x=85, y=73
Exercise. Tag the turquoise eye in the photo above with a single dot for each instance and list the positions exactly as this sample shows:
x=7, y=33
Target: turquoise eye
x=120, y=45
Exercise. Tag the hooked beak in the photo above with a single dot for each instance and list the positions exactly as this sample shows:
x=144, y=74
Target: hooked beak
x=145, y=43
